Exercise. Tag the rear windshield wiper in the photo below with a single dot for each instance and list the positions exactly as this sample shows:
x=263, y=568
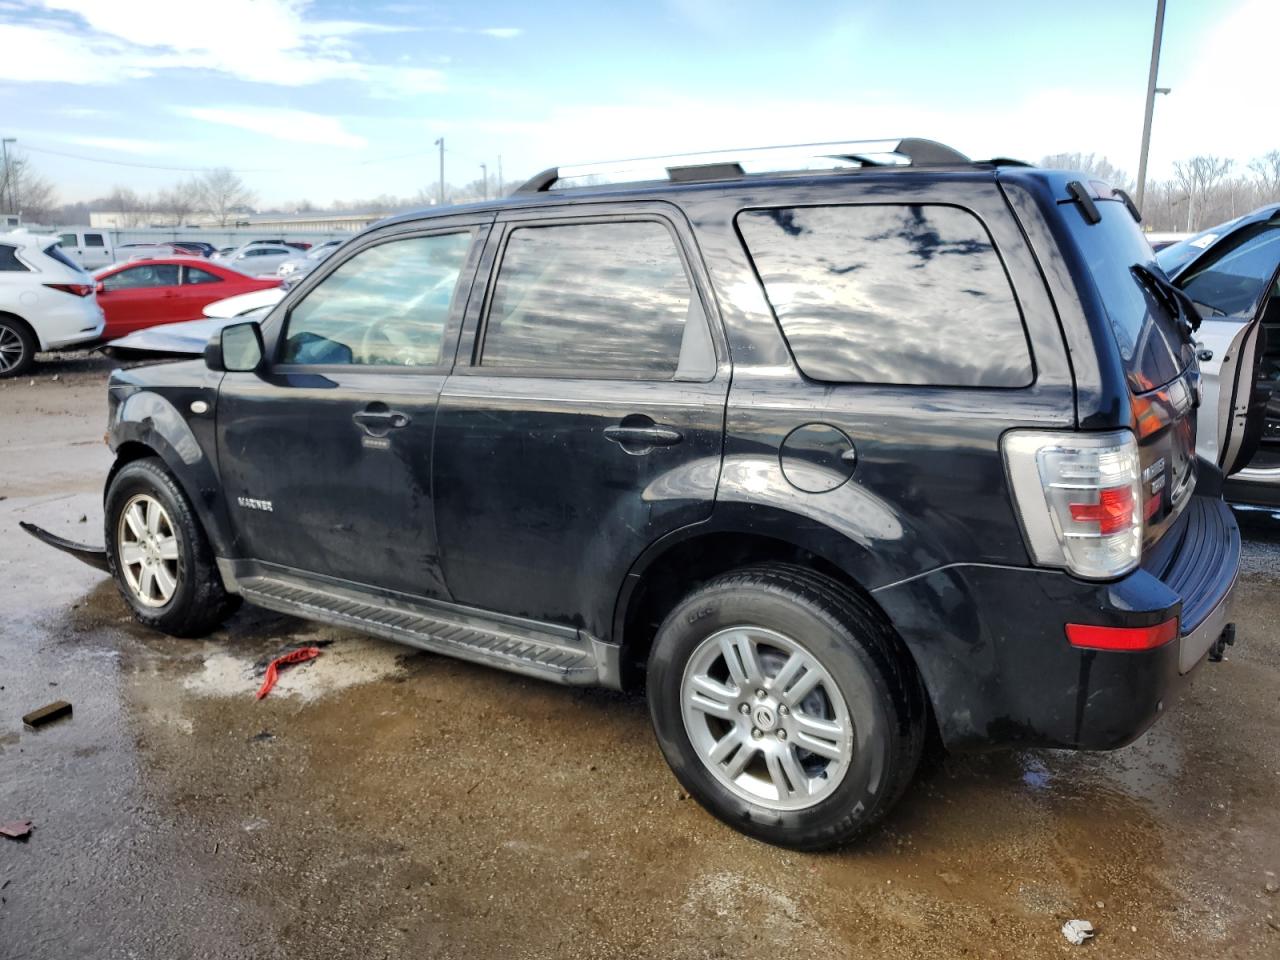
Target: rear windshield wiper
x=1179, y=305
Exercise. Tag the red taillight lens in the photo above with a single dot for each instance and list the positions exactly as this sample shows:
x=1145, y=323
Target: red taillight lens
x=75, y=289
x=1112, y=513
x=1092, y=637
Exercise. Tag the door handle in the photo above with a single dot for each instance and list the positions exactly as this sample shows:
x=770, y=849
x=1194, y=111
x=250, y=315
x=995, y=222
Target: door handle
x=639, y=434
x=377, y=420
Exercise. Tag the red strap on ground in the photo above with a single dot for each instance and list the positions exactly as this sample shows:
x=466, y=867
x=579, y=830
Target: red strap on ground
x=301, y=655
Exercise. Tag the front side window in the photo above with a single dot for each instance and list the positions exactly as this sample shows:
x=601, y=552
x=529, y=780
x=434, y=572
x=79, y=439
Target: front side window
x=608, y=299
x=890, y=293
x=67, y=240
x=142, y=276
x=387, y=305
x=196, y=275
x=9, y=262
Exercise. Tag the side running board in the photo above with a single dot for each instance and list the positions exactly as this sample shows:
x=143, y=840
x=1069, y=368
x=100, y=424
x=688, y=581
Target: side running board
x=559, y=654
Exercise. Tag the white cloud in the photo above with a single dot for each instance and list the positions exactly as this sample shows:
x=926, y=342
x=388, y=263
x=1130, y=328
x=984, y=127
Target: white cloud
x=119, y=144
x=261, y=41
x=297, y=126
x=501, y=33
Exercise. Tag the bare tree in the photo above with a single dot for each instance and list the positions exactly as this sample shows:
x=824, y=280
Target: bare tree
x=129, y=208
x=1198, y=178
x=1091, y=164
x=179, y=201
x=29, y=194
x=224, y=194
x=1266, y=173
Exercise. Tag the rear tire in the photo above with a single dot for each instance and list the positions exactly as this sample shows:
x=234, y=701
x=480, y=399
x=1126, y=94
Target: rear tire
x=784, y=705
x=159, y=555
x=18, y=347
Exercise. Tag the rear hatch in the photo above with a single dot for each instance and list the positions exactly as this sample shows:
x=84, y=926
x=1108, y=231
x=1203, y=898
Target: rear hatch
x=1151, y=325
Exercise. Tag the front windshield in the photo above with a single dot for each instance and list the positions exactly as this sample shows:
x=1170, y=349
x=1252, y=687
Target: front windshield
x=1177, y=255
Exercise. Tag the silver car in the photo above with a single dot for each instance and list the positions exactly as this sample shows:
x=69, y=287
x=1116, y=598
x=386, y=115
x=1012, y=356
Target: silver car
x=257, y=259
x=301, y=264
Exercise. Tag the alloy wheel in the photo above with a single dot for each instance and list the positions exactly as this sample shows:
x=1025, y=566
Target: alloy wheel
x=148, y=550
x=11, y=349
x=766, y=718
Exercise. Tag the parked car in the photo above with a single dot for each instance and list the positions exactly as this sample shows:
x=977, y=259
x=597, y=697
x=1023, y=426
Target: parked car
x=46, y=301
x=89, y=248
x=257, y=259
x=1232, y=274
x=300, y=265
x=818, y=459
x=195, y=248
x=190, y=337
x=148, y=251
x=149, y=292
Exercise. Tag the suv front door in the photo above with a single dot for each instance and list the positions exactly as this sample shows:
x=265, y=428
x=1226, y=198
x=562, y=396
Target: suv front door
x=585, y=415
x=325, y=456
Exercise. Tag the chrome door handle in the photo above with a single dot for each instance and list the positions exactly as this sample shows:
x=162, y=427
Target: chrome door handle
x=377, y=420
x=642, y=439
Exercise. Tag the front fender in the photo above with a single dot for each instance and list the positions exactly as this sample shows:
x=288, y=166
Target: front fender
x=187, y=445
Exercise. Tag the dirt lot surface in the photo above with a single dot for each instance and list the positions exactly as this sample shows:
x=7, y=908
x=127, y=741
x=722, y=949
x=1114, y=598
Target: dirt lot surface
x=386, y=803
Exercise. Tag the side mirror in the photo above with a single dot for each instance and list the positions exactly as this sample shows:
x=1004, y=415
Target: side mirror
x=235, y=349
x=100, y=288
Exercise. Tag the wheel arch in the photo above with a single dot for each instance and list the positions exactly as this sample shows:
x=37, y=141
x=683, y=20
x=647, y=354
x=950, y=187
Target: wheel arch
x=673, y=566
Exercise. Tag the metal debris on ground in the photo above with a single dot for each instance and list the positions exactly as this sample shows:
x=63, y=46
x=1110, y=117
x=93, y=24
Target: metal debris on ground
x=301, y=655
x=17, y=830
x=1077, y=931
x=48, y=713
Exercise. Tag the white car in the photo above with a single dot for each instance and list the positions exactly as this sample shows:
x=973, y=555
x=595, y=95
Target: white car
x=242, y=303
x=47, y=301
x=257, y=259
x=301, y=264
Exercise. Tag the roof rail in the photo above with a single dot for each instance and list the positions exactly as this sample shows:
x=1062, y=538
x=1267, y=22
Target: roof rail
x=730, y=164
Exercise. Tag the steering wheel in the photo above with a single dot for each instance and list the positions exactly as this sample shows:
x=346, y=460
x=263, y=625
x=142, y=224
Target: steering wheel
x=390, y=342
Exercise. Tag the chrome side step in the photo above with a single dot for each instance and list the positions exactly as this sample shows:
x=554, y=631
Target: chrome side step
x=549, y=652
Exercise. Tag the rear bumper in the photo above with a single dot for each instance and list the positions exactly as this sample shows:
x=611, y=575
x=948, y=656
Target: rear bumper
x=991, y=645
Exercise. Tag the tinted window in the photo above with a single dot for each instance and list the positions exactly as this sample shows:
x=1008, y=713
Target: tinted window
x=196, y=275
x=146, y=275
x=67, y=240
x=386, y=305
x=1230, y=281
x=93, y=240
x=9, y=259
x=890, y=294
x=54, y=253
x=607, y=298
x=1151, y=346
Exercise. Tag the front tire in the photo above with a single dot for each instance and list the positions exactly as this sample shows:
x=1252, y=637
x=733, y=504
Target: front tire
x=159, y=555
x=783, y=704
x=17, y=347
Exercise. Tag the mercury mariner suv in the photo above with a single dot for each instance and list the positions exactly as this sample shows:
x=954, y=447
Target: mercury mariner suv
x=826, y=449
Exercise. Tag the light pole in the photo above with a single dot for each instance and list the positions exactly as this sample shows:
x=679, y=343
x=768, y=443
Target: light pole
x=440, y=144
x=1152, y=90
x=484, y=174
x=8, y=174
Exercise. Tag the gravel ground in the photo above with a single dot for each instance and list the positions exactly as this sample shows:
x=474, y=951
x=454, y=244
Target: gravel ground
x=386, y=803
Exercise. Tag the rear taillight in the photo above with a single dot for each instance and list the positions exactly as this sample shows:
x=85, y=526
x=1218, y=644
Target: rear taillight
x=75, y=289
x=1079, y=499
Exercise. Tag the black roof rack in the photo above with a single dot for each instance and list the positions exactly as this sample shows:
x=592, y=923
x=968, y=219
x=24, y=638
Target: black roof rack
x=731, y=164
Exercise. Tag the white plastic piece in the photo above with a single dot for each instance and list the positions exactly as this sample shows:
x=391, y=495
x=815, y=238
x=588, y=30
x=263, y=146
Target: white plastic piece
x=1077, y=931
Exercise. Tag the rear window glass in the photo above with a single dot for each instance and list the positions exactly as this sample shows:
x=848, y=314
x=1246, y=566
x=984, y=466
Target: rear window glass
x=890, y=293
x=1152, y=347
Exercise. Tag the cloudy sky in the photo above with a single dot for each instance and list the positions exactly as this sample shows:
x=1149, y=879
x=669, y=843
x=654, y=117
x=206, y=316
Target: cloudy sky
x=331, y=100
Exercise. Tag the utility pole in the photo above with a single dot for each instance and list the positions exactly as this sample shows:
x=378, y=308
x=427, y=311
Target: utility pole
x=8, y=173
x=1151, y=102
x=484, y=173
x=440, y=144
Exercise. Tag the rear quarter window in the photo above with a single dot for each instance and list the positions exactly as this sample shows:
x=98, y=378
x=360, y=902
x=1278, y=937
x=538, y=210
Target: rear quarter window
x=890, y=293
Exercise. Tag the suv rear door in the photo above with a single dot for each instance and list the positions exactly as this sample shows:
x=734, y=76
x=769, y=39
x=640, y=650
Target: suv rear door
x=584, y=417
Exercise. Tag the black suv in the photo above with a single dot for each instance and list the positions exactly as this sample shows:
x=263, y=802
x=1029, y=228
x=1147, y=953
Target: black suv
x=824, y=448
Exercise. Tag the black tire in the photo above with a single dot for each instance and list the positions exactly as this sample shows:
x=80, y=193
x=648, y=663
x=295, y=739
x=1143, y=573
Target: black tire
x=861, y=653
x=15, y=333
x=200, y=602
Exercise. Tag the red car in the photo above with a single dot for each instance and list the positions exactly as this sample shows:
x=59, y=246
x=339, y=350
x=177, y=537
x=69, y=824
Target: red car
x=145, y=293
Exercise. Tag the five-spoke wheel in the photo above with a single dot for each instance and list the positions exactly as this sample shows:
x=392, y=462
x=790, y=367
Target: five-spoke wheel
x=148, y=548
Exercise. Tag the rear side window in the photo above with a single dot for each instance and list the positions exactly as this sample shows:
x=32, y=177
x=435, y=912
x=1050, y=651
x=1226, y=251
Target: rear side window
x=890, y=293
x=601, y=299
x=62, y=258
x=9, y=261
x=93, y=240
x=196, y=275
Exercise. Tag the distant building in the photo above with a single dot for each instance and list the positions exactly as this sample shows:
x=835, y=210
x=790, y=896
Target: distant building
x=10, y=220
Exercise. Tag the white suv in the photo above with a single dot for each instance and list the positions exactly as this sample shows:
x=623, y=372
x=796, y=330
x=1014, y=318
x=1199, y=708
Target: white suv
x=47, y=301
